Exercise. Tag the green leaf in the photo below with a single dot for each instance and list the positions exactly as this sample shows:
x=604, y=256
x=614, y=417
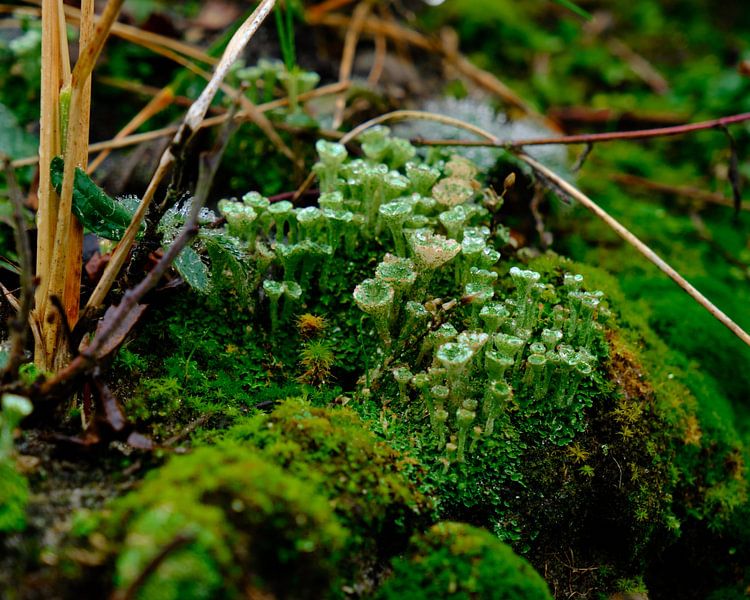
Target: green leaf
x=193, y=270
x=575, y=9
x=97, y=212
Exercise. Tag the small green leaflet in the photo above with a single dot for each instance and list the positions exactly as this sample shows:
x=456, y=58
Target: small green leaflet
x=193, y=270
x=97, y=212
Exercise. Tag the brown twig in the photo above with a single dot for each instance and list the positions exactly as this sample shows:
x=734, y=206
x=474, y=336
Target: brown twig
x=20, y=323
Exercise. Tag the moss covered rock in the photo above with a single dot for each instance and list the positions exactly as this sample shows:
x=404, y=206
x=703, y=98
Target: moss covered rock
x=220, y=523
x=372, y=488
x=454, y=560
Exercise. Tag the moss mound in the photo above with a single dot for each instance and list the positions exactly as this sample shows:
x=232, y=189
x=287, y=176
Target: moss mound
x=372, y=488
x=454, y=560
x=224, y=522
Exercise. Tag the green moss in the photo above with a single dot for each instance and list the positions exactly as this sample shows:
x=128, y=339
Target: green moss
x=231, y=522
x=14, y=494
x=372, y=488
x=454, y=560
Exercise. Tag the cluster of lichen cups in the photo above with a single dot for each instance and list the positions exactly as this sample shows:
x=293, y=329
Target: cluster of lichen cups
x=517, y=354
x=386, y=195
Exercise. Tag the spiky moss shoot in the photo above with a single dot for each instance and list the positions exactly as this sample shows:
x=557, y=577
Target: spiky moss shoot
x=372, y=488
x=310, y=325
x=454, y=560
x=14, y=494
x=231, y=524
x=316, y=359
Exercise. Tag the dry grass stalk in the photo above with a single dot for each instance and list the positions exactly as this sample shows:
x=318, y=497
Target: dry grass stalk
x=54, y=77
x=64, y=261
x=361, y=12
x=399, y=33
x=131, y=34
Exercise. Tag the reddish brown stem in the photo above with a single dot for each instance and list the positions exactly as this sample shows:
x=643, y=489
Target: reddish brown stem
x=592, y=138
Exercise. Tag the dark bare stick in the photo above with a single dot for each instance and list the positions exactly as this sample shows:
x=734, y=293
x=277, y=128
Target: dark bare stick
x=19, y=325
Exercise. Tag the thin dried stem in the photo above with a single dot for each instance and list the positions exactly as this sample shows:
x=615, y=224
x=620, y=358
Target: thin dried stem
x=133, y=34
x=53, y=78
x=71, y=298
x=401, y=34
x=411, y=115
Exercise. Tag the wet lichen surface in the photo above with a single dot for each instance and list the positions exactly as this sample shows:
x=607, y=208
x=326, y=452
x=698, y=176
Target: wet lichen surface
x=422, y=374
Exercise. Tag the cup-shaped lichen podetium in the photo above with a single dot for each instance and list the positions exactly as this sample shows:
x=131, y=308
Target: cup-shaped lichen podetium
x=493, y=315
x=376, y=143
x=496, y=401
x=455, y=358
x=260, y=205
x=292, y=295
x=422, y=177
x=403, y=376
x=452, y=191
x=496, y=363
x=332, y=156
x=309, y=220
x=240, y=220
x=336, y=224
x=551, y=337
x=285, y=219
x=476, y=340
x=465, y=416
x=477, y=294
x=440, y=416
x=454, y=220
x=400, y=274
x=431, y=252
x=274, y=290
x=535, y=378
x=394, y=215
x=375, y=297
